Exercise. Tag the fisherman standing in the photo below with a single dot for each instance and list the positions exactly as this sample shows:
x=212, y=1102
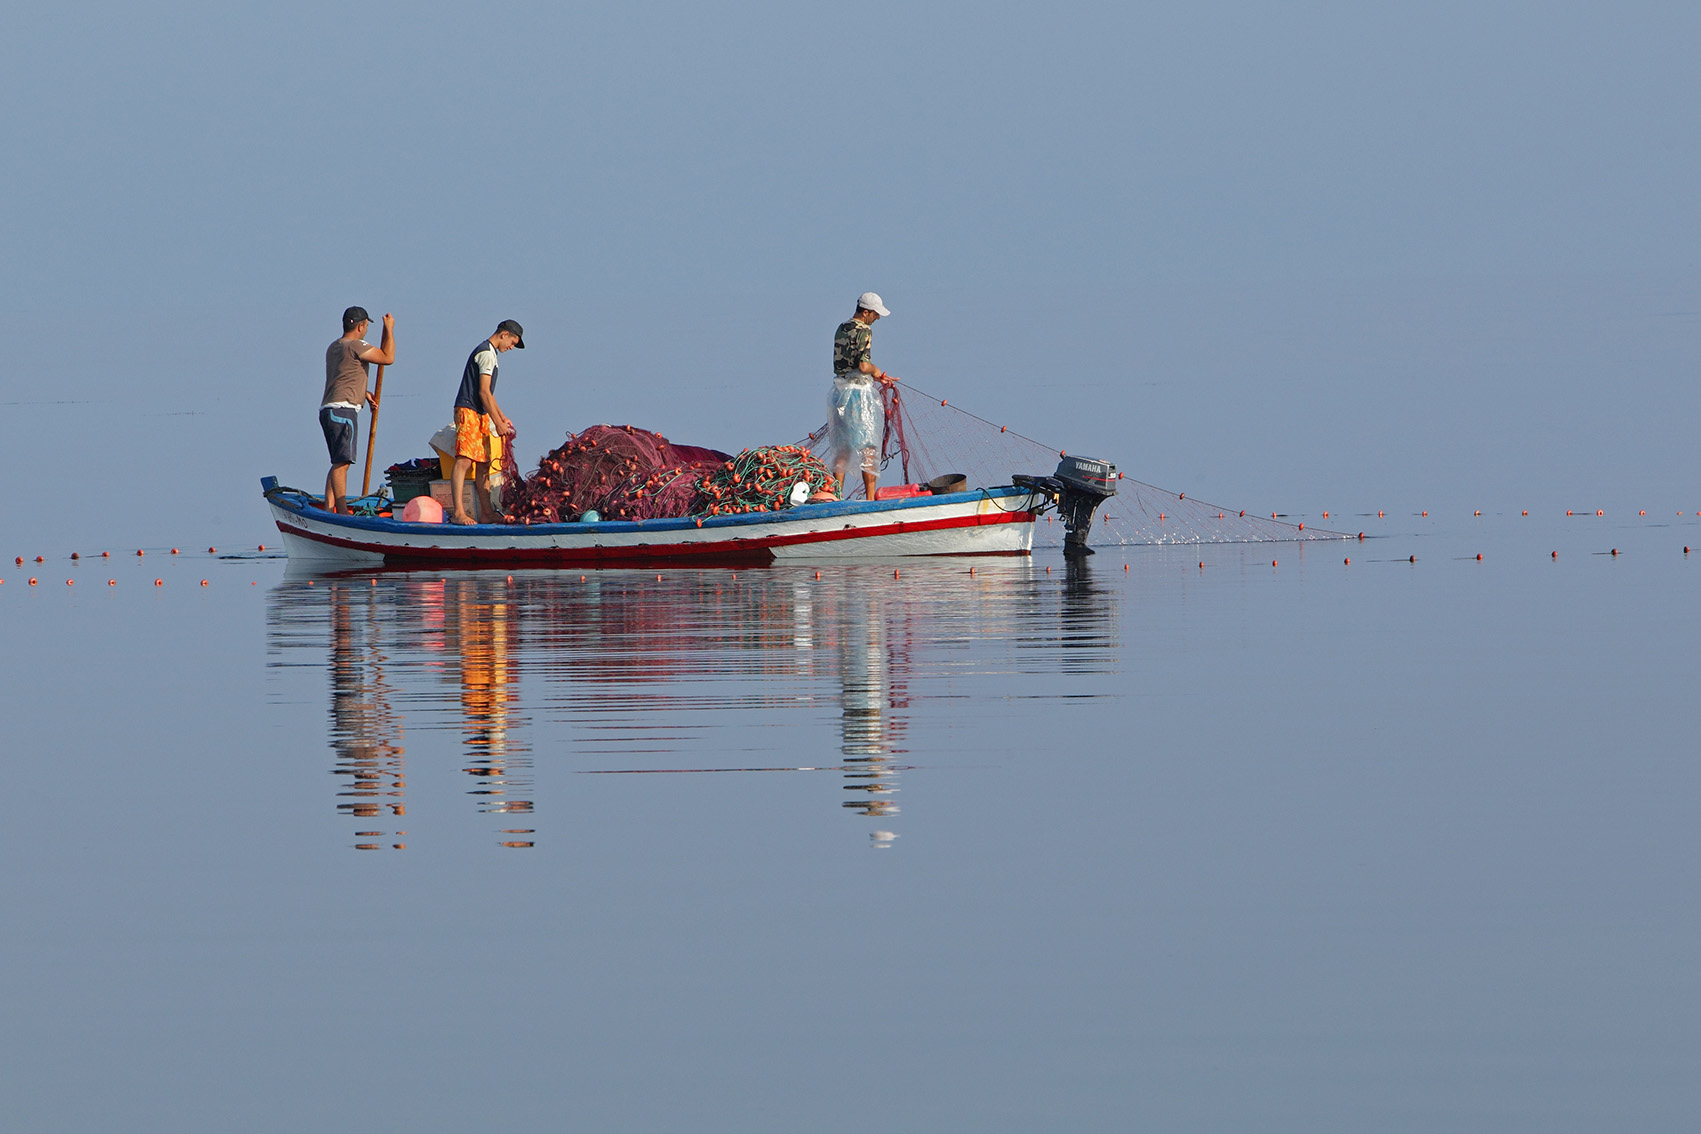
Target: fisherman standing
x=477, y=420
x=855, y=416
x=346, y=362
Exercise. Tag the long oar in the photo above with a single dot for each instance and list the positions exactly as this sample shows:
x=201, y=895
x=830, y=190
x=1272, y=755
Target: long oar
x=372, y=432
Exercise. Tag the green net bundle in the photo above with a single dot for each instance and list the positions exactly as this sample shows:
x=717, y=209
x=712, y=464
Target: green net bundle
x=761, y=480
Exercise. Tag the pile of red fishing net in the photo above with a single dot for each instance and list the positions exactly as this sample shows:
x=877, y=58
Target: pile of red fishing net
x=622, y=472
x=625, y=473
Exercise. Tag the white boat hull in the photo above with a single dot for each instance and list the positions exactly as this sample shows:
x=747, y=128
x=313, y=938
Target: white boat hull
x=993, y=521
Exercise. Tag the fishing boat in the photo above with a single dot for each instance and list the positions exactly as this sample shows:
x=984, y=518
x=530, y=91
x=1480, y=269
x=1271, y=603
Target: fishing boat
x=980, y=521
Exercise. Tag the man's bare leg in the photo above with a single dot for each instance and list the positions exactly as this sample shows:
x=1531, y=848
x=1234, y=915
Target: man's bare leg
x=457, y=489
x=839, y=474
x=870, y=473
x=481, y=495
x=336, y=489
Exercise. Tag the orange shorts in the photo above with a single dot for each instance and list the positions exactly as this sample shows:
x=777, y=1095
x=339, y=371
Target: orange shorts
x=475, y=436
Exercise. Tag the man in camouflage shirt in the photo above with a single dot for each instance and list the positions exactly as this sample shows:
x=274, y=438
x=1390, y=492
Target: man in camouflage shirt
x=855, y=415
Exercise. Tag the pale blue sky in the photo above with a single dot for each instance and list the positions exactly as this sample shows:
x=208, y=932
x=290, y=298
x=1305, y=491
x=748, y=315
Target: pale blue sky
x=1294, y=254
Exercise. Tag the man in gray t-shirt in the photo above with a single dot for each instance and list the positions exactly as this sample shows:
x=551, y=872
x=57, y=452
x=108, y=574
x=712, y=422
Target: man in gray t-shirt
x=346, y=361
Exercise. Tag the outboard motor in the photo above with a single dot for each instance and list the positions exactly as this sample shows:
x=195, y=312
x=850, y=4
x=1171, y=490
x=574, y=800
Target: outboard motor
x=1079, y=486
x=1086, y=484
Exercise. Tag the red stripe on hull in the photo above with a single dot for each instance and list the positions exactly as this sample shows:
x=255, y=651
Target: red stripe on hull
x=740, y=553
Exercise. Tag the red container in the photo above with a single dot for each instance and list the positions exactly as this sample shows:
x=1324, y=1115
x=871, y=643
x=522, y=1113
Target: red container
x=900, y=491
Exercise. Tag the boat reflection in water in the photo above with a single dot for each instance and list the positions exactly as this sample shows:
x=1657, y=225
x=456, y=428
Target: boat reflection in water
x=626, y=671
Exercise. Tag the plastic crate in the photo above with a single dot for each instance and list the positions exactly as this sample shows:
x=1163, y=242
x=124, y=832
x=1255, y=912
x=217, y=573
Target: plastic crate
x=405, y=488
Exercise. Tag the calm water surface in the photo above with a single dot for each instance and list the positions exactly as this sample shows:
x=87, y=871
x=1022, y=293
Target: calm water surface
x=622, y=673
x=1142, y=843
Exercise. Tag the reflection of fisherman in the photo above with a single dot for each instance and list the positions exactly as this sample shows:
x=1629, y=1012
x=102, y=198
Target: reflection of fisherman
x=864, y=679
x=488, y=685
x=365, y=732
x=865, y=676
x=855, y=417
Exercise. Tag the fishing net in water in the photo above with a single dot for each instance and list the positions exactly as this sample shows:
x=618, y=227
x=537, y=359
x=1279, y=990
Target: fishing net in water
x=926, y=437
x=761, y=480
x=621, y=472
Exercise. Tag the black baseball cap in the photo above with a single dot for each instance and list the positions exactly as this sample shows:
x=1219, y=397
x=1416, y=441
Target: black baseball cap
x=513, y=328
x=353, y=316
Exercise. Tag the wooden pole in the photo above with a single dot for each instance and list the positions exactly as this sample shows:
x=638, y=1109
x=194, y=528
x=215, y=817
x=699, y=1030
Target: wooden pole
x=372, y=432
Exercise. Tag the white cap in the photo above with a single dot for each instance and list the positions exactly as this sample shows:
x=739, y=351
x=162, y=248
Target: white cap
x=872, y=302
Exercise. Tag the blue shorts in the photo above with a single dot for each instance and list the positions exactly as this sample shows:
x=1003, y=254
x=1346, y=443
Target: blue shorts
x=338, y=424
